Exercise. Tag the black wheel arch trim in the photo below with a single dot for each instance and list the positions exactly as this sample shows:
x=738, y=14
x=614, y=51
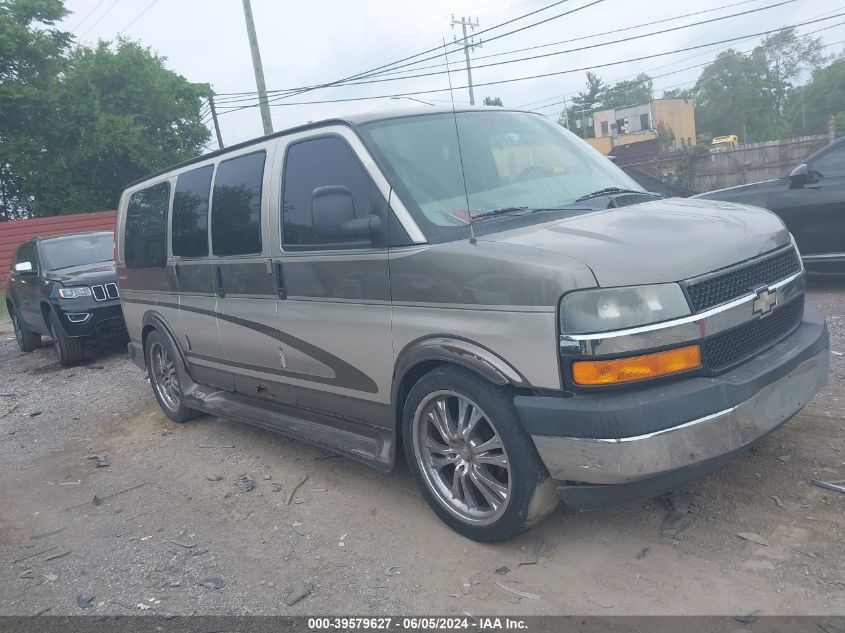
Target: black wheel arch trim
x=159, y=323
x=456, y=351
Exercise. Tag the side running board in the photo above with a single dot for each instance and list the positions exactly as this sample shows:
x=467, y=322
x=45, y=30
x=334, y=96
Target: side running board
x=371, y=445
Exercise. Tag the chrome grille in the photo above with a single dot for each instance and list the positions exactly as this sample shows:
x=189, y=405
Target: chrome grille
x=729, y=348
x=743, y=280
x=111, y=291
x=99, y=293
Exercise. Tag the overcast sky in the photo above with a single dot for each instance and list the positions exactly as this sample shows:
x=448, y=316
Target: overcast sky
x=307, y=42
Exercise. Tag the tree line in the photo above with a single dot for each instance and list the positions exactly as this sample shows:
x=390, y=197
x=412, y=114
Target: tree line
x=77, y=124
x=754, y=95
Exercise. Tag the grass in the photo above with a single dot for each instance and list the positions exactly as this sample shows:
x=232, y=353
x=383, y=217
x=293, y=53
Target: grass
x=3, y=313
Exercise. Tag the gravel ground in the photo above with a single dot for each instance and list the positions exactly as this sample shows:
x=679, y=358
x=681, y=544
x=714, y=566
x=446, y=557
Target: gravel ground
x=171, y=533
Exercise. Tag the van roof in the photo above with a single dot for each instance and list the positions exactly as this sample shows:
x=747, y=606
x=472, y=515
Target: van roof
x=349, y=121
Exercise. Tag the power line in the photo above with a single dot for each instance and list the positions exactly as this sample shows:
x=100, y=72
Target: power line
x=571, y=50
x=586, y=37
x=351, y=82
x=97, y=21
x=674, y=72
x=582, y=48
x=425, y=52
x=88, y=15
x=137, y=17
x=549, y=74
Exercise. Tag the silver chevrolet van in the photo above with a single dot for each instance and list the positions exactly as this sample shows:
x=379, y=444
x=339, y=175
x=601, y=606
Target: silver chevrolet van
x=480, y=288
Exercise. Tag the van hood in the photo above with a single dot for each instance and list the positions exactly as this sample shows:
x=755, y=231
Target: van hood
x=656, y=242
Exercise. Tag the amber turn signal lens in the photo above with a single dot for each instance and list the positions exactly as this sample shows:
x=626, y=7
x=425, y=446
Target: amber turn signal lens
x=621, y=370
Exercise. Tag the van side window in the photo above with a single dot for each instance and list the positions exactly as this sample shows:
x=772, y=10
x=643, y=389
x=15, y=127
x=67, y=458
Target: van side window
x=144, y=242
x=324, y=162
x=190, y=212
x=236, y=206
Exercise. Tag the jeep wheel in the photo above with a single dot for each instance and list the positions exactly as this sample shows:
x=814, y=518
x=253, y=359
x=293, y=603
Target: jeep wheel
x=69, y=350
x=164, y=379
x=27, y=339
x=476, y=467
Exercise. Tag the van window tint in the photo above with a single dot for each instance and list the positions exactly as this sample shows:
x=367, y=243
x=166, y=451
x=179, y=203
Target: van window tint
x=324, y=162
x=190, y=213
x=144, y=242
x=236, y=206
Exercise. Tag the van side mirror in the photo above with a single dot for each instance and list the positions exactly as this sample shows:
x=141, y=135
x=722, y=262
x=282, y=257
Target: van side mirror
x=333, y=215
x=798, y=177
x=24, y=268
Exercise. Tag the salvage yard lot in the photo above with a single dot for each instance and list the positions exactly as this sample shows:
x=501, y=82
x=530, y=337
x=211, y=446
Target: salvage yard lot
x=171, y=533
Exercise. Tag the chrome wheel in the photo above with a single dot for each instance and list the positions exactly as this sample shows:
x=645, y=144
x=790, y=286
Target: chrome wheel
x=462, y=457
x=164, y=378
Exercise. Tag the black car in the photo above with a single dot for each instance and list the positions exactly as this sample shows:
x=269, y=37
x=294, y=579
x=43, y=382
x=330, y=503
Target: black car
x=66, y=288
x=811, y=202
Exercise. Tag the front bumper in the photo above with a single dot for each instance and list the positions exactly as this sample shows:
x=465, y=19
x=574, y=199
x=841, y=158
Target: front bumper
x=90, y=319
x=656, y=436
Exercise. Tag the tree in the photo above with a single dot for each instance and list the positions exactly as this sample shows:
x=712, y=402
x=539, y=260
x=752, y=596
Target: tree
x=31, y=59
x=629, y=92
x=810, y=105
x=786, y=55
x=679, y=93
x=493, y=101
x=583, y=105
x=731, y=98
x=121, y=114
x=77, y=125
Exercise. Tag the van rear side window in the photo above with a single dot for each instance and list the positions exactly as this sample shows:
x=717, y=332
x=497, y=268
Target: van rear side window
x=145, y=245
x=236, y=206
x=190, y=213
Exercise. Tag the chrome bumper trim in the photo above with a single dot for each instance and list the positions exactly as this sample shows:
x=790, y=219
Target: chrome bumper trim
x=678, y=331
x=611, y=461
x=823, y=257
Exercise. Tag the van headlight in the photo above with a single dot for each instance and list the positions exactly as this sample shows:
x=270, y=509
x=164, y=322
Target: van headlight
x=606, y=309
x=74, y=292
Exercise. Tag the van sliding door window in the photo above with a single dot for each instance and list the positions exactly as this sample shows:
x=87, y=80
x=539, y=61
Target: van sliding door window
x=236, y=206
x=144, y=243
x=190, y=213
x=324, y=162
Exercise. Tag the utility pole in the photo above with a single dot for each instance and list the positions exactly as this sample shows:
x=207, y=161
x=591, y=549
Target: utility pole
x=214, y=117
x=258, y=68
x=464, y=22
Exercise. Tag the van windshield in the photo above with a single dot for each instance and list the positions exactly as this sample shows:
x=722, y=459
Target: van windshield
x=77, y=250
x=515, y=162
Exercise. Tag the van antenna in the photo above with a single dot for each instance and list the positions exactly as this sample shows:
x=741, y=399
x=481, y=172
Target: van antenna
x=458, y=137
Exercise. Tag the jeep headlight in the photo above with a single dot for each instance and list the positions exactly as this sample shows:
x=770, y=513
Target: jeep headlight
x=74, y=292
x=606, y=309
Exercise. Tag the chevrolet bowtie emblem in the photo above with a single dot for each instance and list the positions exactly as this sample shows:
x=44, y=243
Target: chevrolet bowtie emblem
x=765, y=301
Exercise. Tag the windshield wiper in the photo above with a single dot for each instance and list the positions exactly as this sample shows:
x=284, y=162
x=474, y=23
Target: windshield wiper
x=486, y=213
x=605, y=192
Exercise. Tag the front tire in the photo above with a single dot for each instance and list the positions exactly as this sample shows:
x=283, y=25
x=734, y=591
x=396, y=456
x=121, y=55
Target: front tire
x=27, y=340
x=475, y=465
x=69, y=350
x=164, y=379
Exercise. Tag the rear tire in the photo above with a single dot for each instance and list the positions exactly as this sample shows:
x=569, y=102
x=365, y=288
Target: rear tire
x=161, y=360
x=475, y=465
x=27, y=340
x=69, y=350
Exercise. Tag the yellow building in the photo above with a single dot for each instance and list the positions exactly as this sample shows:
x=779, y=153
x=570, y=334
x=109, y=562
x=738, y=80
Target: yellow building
x=674, y=118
